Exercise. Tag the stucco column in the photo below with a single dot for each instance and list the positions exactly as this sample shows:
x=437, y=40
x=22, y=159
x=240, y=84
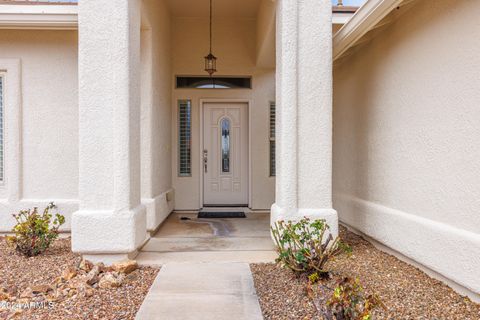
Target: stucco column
x=304, y=111
x=111, y=223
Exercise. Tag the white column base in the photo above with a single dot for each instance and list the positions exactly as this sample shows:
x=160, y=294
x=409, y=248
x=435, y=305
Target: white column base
x=158, y=209
x=109, y=232
x=329, y=215
x=109, y=259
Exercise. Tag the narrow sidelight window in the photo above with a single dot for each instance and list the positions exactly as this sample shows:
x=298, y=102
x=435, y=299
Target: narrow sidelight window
x=184, y=138
x=272, y=139
x=225, y=145
x=2, y=86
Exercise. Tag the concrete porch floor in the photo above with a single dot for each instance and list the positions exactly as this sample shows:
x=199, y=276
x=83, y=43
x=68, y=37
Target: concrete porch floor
x=210, y=240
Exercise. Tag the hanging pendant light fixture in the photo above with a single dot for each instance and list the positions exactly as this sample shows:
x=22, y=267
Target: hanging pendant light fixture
x=210, y=59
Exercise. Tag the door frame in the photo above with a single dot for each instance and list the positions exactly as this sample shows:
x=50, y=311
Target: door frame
x=248, y=104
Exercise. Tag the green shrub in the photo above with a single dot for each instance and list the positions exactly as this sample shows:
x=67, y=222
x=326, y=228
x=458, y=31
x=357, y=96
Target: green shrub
x=349, y=302
x=306, y=246
x=34, y=232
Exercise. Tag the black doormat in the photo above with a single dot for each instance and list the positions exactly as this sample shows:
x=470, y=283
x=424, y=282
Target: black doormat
x=213, y=215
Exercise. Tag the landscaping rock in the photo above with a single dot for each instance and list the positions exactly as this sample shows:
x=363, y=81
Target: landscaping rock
x=69, y=273
x=70, y=290
x=96, y=270
x=109, y=280
x=4, y=295
x=27, y=293
x=12, y=290
x=58, y=281
x=85, y=265
x=89, y=293
x=41, y=289
x=77, y=284
x=125, y=267
x=91, y=280
x=132, y=276
x=103, y=268
x=93, y=276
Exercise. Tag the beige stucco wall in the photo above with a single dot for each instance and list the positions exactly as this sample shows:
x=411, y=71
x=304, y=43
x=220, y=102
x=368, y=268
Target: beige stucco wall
x=49, y=105
x=235, y=47
x=406, y=132
x=48, y=163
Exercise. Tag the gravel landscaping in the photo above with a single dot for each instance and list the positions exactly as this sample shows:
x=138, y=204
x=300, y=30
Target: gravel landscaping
x=72, y=298
x=407, y=292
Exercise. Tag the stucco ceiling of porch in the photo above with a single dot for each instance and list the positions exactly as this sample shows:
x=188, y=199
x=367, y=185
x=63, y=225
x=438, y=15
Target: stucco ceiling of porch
x=223, y=8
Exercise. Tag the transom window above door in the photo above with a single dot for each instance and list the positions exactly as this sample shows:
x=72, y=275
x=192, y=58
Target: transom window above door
x=201, y=82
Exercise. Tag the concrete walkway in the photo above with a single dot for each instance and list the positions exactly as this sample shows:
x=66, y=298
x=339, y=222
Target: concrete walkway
x=210, y=240
x=199, y=291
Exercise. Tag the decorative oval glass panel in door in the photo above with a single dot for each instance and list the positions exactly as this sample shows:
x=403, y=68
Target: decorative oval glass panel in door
x=225, y=124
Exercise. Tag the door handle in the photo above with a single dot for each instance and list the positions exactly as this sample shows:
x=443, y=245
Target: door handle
x=205, y=160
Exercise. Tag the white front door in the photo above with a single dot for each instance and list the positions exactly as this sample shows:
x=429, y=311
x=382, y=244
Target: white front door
x=225, y=154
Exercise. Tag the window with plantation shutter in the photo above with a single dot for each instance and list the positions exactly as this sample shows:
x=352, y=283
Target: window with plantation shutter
x=184, y=138
x=272, y=139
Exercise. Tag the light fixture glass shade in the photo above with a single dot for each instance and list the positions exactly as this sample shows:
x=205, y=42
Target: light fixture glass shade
x=211, y=64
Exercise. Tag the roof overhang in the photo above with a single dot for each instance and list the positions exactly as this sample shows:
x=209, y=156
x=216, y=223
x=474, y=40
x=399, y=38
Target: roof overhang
x=50, y=17
x=341, y=14
x=65, y=16
x=341, y=17
x=372, y=15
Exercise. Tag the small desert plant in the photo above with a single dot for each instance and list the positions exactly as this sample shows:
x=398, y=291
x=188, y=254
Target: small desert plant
x=34, y=232
x=349, y=301
x=306, y=246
